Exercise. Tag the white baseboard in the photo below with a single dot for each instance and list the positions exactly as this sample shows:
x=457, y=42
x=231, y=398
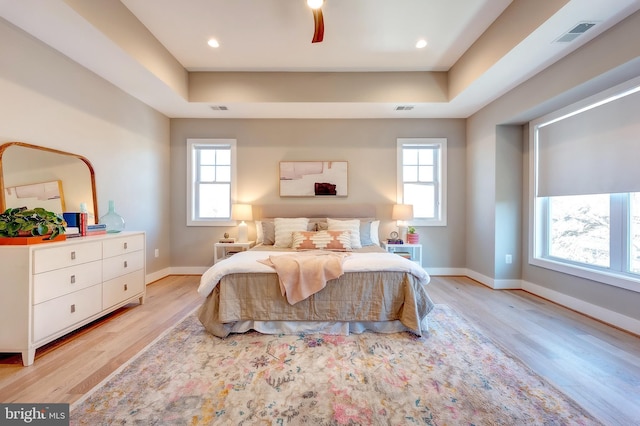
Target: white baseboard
x=605, y=315
x=482, y=279
x=158, y=275
x=456, y=272
x=186, y=270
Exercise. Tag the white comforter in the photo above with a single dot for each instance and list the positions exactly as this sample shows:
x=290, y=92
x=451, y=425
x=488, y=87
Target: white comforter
x=248, y=261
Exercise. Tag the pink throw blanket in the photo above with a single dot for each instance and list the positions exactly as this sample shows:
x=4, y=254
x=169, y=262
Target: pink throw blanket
x=306, y=273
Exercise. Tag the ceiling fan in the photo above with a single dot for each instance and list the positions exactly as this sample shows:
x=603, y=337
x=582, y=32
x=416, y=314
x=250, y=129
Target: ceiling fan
x=318, y=20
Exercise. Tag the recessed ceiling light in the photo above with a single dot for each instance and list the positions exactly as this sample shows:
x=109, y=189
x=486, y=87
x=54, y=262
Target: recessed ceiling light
x=315, y=4
x=421, y=43
x=213, y=43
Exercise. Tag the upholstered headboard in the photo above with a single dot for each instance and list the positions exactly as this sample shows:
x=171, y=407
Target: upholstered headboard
x=314, y=210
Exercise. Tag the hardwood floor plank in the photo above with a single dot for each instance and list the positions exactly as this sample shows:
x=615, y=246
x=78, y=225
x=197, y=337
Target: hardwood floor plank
x=595, y=364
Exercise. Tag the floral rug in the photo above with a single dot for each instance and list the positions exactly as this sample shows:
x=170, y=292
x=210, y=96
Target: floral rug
x=452, y=376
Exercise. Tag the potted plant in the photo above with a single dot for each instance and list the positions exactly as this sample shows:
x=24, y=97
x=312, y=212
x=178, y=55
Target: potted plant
x=412, y=236
x=23, y=222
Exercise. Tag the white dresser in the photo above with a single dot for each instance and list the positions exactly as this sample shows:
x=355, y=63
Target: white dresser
x=48, y=290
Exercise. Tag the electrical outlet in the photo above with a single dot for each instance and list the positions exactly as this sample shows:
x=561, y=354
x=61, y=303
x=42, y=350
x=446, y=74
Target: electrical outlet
x=157, y=253
x=508, y=259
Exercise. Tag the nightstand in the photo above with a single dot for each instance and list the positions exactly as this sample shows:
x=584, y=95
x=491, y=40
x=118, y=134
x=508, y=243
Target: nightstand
x=412, y=252
x=229, y=249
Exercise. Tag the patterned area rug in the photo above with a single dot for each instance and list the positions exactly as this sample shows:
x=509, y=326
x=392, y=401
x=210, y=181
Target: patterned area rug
x=453, y=376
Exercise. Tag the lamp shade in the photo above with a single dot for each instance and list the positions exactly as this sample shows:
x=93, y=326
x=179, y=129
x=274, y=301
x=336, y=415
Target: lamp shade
x=241, y=212
x=402, y=212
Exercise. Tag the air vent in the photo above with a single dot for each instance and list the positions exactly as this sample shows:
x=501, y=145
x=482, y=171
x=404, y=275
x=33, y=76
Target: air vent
x=574, y=32
x=219, y=108
x=404, y=108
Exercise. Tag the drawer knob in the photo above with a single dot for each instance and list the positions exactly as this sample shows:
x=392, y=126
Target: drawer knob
x=125, y=246
x=73, y=308
x=125, y=264
x=126, y=288
x=73, y=255
x=73, y=279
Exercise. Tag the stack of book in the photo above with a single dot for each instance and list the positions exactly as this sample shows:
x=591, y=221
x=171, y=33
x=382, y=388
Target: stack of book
x=78, y=225
x=76, y=220
x=97, y=229
x=72, y=231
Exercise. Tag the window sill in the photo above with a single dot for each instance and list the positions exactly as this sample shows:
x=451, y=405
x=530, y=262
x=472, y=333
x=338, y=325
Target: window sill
x=617, y=280
x=212, y=223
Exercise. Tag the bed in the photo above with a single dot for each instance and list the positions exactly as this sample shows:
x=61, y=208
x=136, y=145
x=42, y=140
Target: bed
x=374, y=290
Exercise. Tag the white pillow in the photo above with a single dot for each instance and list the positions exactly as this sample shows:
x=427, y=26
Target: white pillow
x=352, y=226
x=285, y=227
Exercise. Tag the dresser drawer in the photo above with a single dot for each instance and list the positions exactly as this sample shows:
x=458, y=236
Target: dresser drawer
x=121, y=288
x=122, y=245
x=48, y=259
x=122, y=265
x=57, y=314
x=52, y=284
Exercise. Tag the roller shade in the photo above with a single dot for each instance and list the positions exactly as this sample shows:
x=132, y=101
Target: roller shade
x=596, y=151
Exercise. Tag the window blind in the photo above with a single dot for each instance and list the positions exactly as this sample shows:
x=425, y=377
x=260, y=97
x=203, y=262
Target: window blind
x=593, y=150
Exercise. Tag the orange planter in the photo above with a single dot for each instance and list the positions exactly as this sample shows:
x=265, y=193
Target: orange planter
x=413, y=238
x=22, y=241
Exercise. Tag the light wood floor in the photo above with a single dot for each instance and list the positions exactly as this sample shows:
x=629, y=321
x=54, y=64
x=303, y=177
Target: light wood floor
x=596, y=365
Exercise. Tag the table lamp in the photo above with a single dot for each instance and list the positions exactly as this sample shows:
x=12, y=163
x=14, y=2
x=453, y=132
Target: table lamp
x=402, y=213
x=242, y=212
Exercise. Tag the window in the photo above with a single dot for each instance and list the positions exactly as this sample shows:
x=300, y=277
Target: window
x=599, y=232
x=421, y=172
x=634, y=233
x=211, y=174
x=585, y=188
x=579, y=229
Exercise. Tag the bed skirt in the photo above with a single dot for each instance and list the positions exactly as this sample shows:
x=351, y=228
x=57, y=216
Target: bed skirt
x=383, y=301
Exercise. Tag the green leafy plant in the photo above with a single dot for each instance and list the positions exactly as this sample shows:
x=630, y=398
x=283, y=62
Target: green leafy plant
x=411, y=230
x=20, y=221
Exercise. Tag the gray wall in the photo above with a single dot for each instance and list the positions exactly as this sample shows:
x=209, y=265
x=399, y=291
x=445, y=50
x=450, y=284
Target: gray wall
x=368, y=145
x=604, y=62
x=140, y=159
x=51, y=101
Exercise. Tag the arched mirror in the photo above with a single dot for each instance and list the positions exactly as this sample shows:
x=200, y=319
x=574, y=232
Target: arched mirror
x=36, y=176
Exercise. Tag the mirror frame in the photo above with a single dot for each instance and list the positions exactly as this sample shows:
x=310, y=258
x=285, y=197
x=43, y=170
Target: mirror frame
x=4, y=147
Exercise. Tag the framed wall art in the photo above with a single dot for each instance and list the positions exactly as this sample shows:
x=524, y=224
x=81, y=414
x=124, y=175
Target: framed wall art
x=313, y=178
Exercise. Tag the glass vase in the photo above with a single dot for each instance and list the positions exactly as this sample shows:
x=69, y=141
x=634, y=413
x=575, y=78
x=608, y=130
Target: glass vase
x=114, y=222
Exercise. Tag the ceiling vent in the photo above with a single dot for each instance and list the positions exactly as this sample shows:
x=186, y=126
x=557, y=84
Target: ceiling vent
x=574, y=32
x=404, y=108
x=219, y=108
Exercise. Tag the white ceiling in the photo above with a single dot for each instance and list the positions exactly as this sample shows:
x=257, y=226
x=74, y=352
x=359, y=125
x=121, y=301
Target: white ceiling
x=275, y=35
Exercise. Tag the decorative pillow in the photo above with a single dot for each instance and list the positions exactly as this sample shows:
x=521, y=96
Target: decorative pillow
x=375, y=229
x=365, y=234
x=353, y=226
x=268, y=233
x=259, y=232
x=322, y=240
x=284, y=227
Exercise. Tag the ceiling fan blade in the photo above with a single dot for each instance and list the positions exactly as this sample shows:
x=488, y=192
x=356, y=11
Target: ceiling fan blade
x=318, y=33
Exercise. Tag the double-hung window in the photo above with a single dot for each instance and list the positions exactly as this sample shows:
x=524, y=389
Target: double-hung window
x=421, y=179
x=211, y=171
x=585, y=188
